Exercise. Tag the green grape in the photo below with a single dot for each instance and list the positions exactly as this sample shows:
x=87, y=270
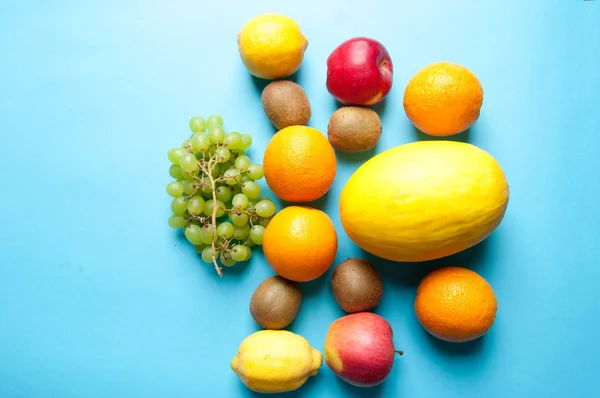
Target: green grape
x=233, y=140
x=215, y=171
x=223, y=156
x=235, y=190
x=245, y=178
x=179, y=206
x=176, y=221
x=188, y=162
x=256, y=234
x=197, y=124
x=175, y=189
x=190, y=176
x=221, y=208
x=236, y=153
x=226, y=260
x=199, y=248
x=251, y=189
x=195, y=205
x=206, y=186
x=174, y=154
x=189, y=187
x=206, y=233
x=248, y=253
x=232, y=177
x=200, y=142
x=207, y=254
x=187, y=146
x=246, y=141
x=212, y=150
x=215, y=120
x=242, y=232
x=255, y=171
x=238, y=219
x=265, y=221
x=225, y=230
x=223, y=193
x=193, y=234
x=240, y=201
x=238, y=253
x=265, y=208
x=216, y=135
x=175, y=171
x=242, y=163
x=223, y=167
x=208, y=208
x=251, y=208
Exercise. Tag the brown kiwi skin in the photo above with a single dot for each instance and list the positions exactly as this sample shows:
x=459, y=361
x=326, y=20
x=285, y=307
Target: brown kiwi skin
x=275, y=303
x=354, y=129
x=285, y=103
x=356, y=285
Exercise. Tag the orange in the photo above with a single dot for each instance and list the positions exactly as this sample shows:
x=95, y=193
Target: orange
x=300, y=243
x=299, y=164
x=443, y=99
x=455, y=304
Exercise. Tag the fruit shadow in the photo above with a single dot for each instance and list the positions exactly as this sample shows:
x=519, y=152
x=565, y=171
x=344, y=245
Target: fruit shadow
x=320, y=203
x=449, y=349
x=358, y=157
x=260, y=84
x=238, y=269
x=465, y=136
x=308, y=389
x=411, y=274
x=348, y=390
x=380, y=107
x=315, y=287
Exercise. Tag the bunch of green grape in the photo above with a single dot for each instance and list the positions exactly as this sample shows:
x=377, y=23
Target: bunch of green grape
x=216, y=199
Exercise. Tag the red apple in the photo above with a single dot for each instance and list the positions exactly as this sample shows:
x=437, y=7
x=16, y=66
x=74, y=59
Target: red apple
x=359, y=349
x=359, y=72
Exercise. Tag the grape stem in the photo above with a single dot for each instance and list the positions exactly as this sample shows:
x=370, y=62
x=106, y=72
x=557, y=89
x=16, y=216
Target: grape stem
x=213, y=185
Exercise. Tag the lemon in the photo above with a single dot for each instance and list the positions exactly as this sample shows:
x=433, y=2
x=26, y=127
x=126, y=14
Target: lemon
x=271, y=46
x=271, y=361
x=424, y=200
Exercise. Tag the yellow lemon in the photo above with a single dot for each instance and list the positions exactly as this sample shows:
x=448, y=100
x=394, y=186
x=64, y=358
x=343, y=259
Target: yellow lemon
x=271, y=46
x=271, y=361
x=424, y=200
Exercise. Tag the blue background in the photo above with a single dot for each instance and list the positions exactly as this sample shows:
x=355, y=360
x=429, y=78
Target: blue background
x=99, y=297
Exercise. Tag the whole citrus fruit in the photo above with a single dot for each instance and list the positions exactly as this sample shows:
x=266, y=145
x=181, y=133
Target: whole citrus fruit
x=455, y=304
x=443, y=99
x=300, y=243
x=271, y=361
x=424, y=200
x=299, y=164
x=271, y=46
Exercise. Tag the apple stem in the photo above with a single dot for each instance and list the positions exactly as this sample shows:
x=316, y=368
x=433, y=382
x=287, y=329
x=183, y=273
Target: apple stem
x=399, y=352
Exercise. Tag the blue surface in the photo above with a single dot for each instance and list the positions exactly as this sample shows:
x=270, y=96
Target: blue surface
x=99, y=298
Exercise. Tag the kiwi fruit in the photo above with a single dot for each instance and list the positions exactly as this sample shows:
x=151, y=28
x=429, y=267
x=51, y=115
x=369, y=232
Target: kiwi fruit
x=275, y=303
x=354, y=129
x=285, y=103
x=356, y=285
